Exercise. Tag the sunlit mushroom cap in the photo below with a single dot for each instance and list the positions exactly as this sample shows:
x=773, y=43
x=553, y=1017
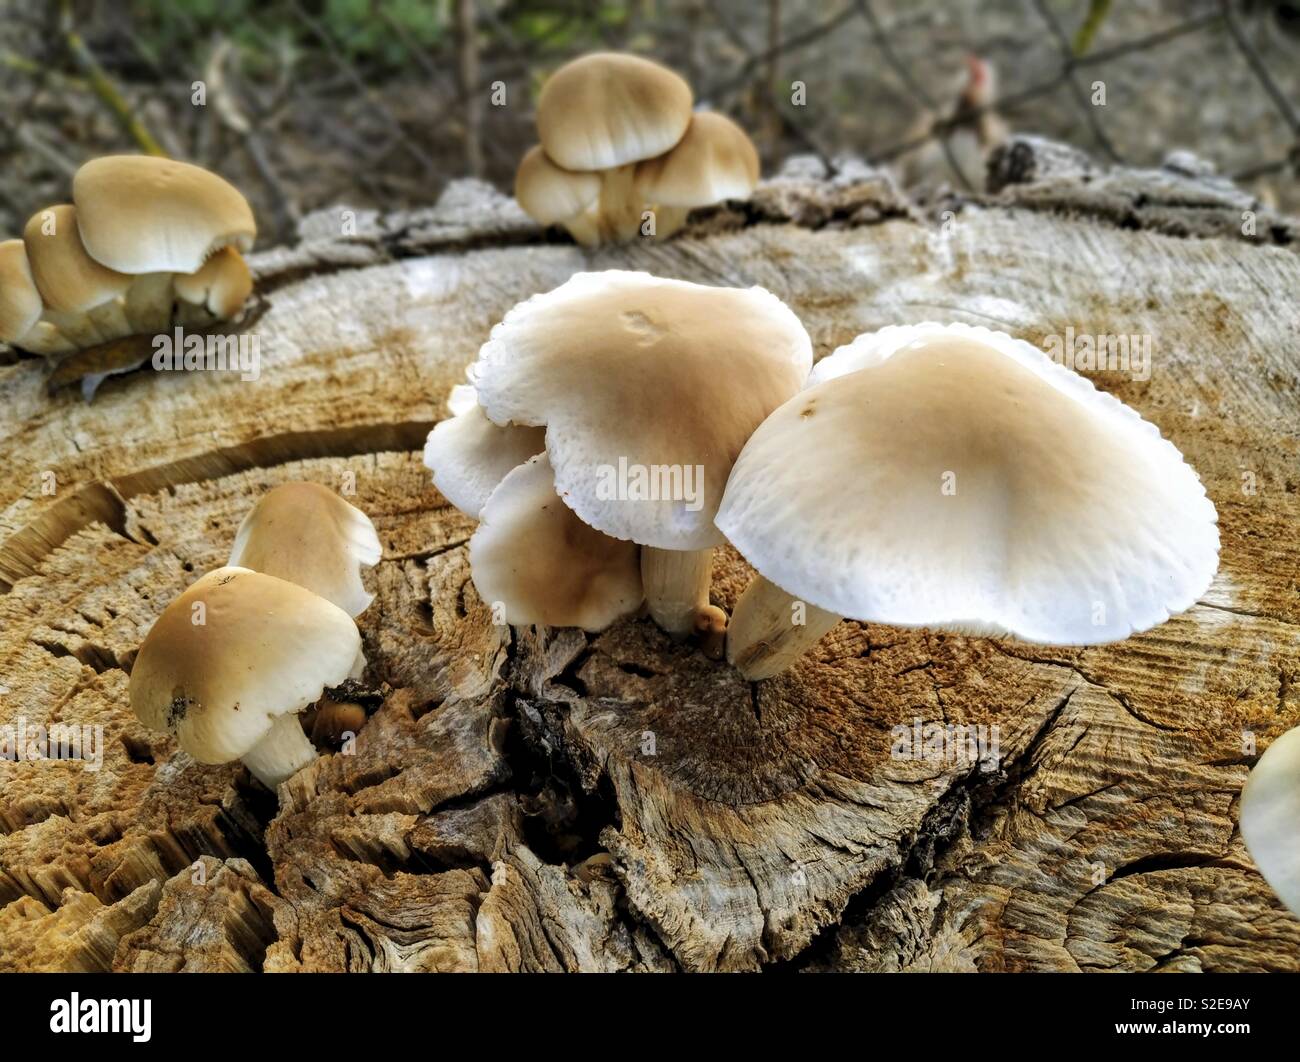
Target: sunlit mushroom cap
x=264, y=647
x=69, y=280
x=543, y=564
x=1270, y=817
x=469, y=455
x=948, y=476
x=307, y=534
x=639, y=377
x=608, y=109
x=20, y=301
x=551, y=194
x=221, y=286
x=714, y=161
x=140, y=214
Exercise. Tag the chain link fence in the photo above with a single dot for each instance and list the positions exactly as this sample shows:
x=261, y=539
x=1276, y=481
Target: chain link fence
x=378, y=103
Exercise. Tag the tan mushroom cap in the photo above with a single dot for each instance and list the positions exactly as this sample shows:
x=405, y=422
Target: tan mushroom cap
x=308, y=535
x=140, y=214
x=535, y=557
x=715, y=160
x=69, y=280
x=631, y=371
x=469, y=455
x=950, y=476
x=266, y=648
x=20, y=301
x=222, y=286
x=609, y=109
x=1270, y=817
x=551, y=194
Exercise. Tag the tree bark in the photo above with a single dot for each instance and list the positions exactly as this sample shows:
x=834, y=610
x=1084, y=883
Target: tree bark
x=548, y=800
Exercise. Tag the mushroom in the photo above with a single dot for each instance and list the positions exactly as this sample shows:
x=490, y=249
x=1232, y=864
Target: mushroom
x=648, y=389
x=307, y=534
x=600, y=115
x=469, y=455
x=82, y=299
x=152, y=218
x=217, y=291
x=228, y=680
x=553, y=195
x=956, y=478
x=1270, y=812
x=534, y=556
x=21, y=306
x=714, y=161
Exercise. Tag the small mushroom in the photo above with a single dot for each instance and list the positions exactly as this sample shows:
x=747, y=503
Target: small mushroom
x=552, y=195
x=217, y=291
x=82, y=299
x=152, y=218
x=1270, y=817
x=469, y=455
x=534, y=556
x=21, y=306
x=956, y=478
x=714, y=161
x=307, y=534
x=601, y=114
x=648, y=389
x=231, y=662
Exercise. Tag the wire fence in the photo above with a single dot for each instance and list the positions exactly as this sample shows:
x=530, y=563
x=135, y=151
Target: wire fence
x=380, y=102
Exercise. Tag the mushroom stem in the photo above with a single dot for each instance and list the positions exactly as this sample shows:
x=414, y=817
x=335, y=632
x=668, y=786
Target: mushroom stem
x=620, y=208
x=109, y=318
x=280, y=754
x=585, y=228
x=75, y=326
x=668, y=219
x=676, y=584
x=771, y=629
x=149, y=302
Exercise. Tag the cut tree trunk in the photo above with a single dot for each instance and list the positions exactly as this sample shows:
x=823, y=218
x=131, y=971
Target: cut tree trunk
x=548, y=800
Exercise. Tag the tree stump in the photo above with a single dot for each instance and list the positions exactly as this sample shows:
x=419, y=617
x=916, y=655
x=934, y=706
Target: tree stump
x=547, y=800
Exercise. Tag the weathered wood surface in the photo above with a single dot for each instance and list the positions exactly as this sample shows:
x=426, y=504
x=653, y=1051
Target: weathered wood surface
x=503, y=810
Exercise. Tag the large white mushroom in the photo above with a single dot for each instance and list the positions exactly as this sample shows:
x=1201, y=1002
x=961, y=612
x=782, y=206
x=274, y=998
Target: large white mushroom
x=231, y=662
x=954, y=477
x=1270, y=817
x=648, y=389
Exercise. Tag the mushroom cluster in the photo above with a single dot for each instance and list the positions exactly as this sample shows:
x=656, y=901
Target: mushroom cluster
x=144, y=243
x=927, y=475
x=618, y=139
x=258, y=659
x=605, y=416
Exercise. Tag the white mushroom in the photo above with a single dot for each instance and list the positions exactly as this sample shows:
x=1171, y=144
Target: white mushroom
x=1270, y=817
x=231, y=662
x=648, y=389
x=954, y=477
x=533, y=556
x=307, y=534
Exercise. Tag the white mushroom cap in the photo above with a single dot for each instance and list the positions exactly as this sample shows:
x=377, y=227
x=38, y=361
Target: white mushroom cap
x=608, y=109
x=221, y=286
x=469, y=455
x=551, y=194
x=20, y=301
x=1068, y=518
x=308, y=535
x=714, y=161
x=69, y=280
x=266, y=648
x=1270, y=817
x=534, y=556
x=141, y=214
x=630, y=371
